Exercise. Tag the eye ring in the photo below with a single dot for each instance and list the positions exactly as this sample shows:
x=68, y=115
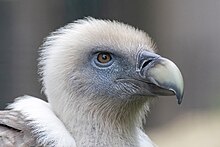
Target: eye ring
x=104, y=57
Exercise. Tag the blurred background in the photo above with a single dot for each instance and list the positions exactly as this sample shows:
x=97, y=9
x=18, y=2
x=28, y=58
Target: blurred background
x=185, y=31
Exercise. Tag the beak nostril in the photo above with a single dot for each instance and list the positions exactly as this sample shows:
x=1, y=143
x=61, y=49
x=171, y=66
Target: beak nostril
x=144, y=59
x=146, y=63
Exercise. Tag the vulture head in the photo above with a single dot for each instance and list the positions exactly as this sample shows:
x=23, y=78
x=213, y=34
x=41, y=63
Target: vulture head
x=100, y=76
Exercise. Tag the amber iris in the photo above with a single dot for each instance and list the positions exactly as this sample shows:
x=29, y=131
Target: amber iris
x=104, y=57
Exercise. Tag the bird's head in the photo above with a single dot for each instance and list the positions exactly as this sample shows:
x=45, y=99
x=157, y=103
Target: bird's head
x=102, y=63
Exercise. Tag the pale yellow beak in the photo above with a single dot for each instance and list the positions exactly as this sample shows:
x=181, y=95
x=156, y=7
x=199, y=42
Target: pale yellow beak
x=163, y=75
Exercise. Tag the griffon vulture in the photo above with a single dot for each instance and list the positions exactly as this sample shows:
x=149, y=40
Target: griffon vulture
x=99, y=77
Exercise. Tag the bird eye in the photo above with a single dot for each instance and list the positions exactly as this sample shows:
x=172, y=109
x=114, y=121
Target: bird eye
x=104, y=57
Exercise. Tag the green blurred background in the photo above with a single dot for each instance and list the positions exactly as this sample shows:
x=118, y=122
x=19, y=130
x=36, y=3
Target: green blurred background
x=185, y=31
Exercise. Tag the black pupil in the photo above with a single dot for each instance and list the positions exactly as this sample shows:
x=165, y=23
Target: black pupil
x=104, y=57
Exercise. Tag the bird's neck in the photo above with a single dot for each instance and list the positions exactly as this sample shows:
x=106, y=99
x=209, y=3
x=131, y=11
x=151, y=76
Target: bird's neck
x=105, y=124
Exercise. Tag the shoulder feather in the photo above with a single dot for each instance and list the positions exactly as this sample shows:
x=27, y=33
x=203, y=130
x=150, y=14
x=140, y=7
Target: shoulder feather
x=44, y=125
x=13, y=130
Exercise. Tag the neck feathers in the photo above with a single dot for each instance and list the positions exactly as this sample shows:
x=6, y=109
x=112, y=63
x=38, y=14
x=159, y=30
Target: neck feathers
x=105, y=121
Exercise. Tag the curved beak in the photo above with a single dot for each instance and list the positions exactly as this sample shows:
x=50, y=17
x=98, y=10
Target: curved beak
x=162, y=75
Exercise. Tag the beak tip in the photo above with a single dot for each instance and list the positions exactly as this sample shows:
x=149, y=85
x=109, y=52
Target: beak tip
x=179, y=98
x=179, y=101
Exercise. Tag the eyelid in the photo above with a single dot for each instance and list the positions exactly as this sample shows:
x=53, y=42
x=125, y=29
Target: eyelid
x=104, y=52
x=105, y=49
